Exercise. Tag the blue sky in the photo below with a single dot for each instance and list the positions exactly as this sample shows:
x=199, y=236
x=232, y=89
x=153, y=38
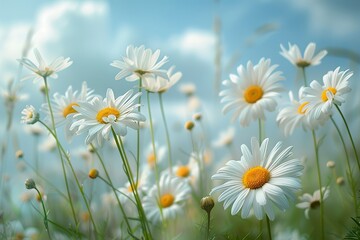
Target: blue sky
x=94, y=33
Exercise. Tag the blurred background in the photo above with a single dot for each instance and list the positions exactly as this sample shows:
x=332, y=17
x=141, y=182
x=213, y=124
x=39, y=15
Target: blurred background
x=206, y=40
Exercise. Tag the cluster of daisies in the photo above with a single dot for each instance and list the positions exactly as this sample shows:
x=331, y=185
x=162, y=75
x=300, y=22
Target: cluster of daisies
x=260, y=180
x=83, y=111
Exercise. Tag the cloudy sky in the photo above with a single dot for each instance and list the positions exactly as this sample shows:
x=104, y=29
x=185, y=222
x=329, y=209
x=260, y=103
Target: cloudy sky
x=94, y=33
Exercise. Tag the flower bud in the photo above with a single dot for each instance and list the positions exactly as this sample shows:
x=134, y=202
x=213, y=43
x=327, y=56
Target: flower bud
x=30, y=183
x=93, y=173
x=340, y=181
x=330, y=164
x=189, y=125
x=197, y=116
x=19, y=154
x=207, y=203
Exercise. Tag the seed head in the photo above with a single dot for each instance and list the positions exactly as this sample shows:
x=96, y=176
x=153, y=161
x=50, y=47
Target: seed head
x=189, y=125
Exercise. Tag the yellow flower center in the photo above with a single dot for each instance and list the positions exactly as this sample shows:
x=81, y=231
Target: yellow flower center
x=141, y=72
x=300, y=109
x=131, y=188
x=256, y=177
x=323, y=94
x=105, y=112
x=183, y=171
x=151, y=159
x=29, y=115
x=253, y=93
x=69, y=109
x=166, y=200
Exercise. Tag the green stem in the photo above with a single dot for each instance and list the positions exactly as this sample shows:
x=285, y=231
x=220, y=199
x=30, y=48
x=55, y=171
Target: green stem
x=351, y=138
x=45, y=213
x=268, y=227
x=53, y=132
x=167, y=132
x=154, y=150
x=208, y=226
x=353, y=188
x=112, y=186
x=138, y=134
x=260, y=131
x=320, y=185
x=127, y=170
x=304, y=76
x=60, y=147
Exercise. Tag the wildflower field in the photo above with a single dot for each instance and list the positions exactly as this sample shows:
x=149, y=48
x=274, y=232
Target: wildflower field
x=200, y=136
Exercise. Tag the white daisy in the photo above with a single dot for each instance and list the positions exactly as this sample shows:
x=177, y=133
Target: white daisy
x=293, y=54
x=139, y=63
x=226, y=138
x=63, y=107
x=31, y=116
x=259, y=180
x=188, y=89
x=150, y=156
x=312, y=202
x=99, y=116
x=189, y=172
x=44, y=70
x=295, y=115
x=160, y=84
x=321, y=98
x=170, y=202
x=142, y=185
x=253, y=91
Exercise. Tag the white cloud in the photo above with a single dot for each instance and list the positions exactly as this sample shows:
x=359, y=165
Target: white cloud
x=195, y=42
x=326, y=17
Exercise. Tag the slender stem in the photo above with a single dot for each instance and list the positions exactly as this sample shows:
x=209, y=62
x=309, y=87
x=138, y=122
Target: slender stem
x=260, y=131
x=268, y=227
x=154, y=150
x=208, y=226
x=111, y=184
x=138, y=133
x=53, y=131
x=353, y=188
x=60, y=147
x=351, y=138
x=320, y=185
x=127, y=169
x=45, y=213
x=304, y=76
x=167, y=132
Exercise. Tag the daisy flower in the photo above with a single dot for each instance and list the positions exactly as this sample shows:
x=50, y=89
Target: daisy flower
x=226, y=138
x=189, y=171
x=139, y=63
x=260, y=180
x=295, y=115
x=44, y=70
x=160, y=84
x=294, y=56
x=312, y=202
x=142, y=185
x=252, y=92
x=150, y=156
x=321, y=98
x=31, y=116
x=99, y=116
x=63, y=107
x=170, y=203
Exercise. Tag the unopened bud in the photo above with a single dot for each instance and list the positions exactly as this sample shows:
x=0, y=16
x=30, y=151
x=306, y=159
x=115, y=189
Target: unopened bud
x=197, y=116
x=30, y=183
x=93, y=173
x=189, y=125
x=19, y=154
x=207, y=203
x=330, y=164
x=340, y=181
